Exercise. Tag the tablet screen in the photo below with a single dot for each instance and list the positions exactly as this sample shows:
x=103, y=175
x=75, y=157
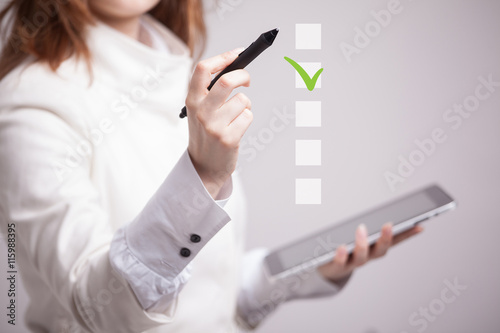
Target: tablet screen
x=328, y=240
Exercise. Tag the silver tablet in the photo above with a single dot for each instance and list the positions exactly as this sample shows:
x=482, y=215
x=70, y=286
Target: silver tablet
x=319, y=247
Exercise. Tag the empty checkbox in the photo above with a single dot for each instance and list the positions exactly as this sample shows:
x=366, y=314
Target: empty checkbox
x=308, y=36
x=308, y=113
x=308, y=191
x=307, y=152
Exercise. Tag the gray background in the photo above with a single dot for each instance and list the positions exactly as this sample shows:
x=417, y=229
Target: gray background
x=373, y=109
x=395, y=91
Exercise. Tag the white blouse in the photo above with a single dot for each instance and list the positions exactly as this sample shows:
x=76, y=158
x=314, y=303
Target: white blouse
x=115, y=231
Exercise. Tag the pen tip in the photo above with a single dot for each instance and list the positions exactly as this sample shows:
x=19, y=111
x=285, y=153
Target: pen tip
x=270, y=35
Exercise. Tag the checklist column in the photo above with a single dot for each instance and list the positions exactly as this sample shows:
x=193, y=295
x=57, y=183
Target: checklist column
x=308, y=114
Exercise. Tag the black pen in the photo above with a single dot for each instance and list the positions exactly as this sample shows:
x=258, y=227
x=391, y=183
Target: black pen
x=244, y=58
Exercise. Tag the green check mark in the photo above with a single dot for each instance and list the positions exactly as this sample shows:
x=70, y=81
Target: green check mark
x=310, y=82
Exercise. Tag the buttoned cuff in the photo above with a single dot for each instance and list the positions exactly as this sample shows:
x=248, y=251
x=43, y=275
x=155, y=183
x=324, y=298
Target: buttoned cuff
x=154, y=251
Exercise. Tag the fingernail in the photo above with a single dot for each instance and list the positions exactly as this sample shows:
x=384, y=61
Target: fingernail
x=362, y=232
x=386, y=231
x=238, y=50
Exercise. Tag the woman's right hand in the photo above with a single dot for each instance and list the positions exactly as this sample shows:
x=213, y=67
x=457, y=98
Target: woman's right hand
x=216, y=124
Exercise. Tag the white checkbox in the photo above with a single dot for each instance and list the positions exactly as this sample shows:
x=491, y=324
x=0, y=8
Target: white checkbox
x=307, y=152
x=308, y=36
x=308, y=113
x=308, y=191
x=311, y=68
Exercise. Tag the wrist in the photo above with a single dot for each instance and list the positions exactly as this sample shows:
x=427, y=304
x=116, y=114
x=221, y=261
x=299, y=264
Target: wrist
x=212, y=185
x=338, y=280
x=212, y=180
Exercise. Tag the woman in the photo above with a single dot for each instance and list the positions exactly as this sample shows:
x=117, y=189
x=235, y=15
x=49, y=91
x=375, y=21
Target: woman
x=121, y=210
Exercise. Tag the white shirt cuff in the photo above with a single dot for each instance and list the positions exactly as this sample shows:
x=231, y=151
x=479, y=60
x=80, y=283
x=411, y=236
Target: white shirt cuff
x=154, y=251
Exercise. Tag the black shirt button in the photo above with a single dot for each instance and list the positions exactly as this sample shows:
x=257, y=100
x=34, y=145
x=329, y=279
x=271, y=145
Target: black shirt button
x=185, y=252
x=195, y=238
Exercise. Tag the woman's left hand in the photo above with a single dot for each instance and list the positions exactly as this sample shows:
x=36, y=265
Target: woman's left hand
x=341, y=265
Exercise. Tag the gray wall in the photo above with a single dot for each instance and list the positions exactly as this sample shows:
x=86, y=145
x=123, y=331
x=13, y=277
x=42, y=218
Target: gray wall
x=395, y=91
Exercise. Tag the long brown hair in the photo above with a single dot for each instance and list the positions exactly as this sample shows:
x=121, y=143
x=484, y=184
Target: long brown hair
x=54, y=30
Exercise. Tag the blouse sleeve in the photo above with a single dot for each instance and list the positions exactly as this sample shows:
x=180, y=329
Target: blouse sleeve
x=154, y=251
x=260, y=296
x=65, y=235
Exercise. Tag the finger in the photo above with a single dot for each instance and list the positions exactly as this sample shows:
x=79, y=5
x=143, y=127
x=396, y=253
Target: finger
x=360, y=254
x=340, y=258
x=240, y=124
x=383, y=243
x=232, y=109
x=407, y=234
x=337, y=266
x=203, y=71
x=225, y=86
